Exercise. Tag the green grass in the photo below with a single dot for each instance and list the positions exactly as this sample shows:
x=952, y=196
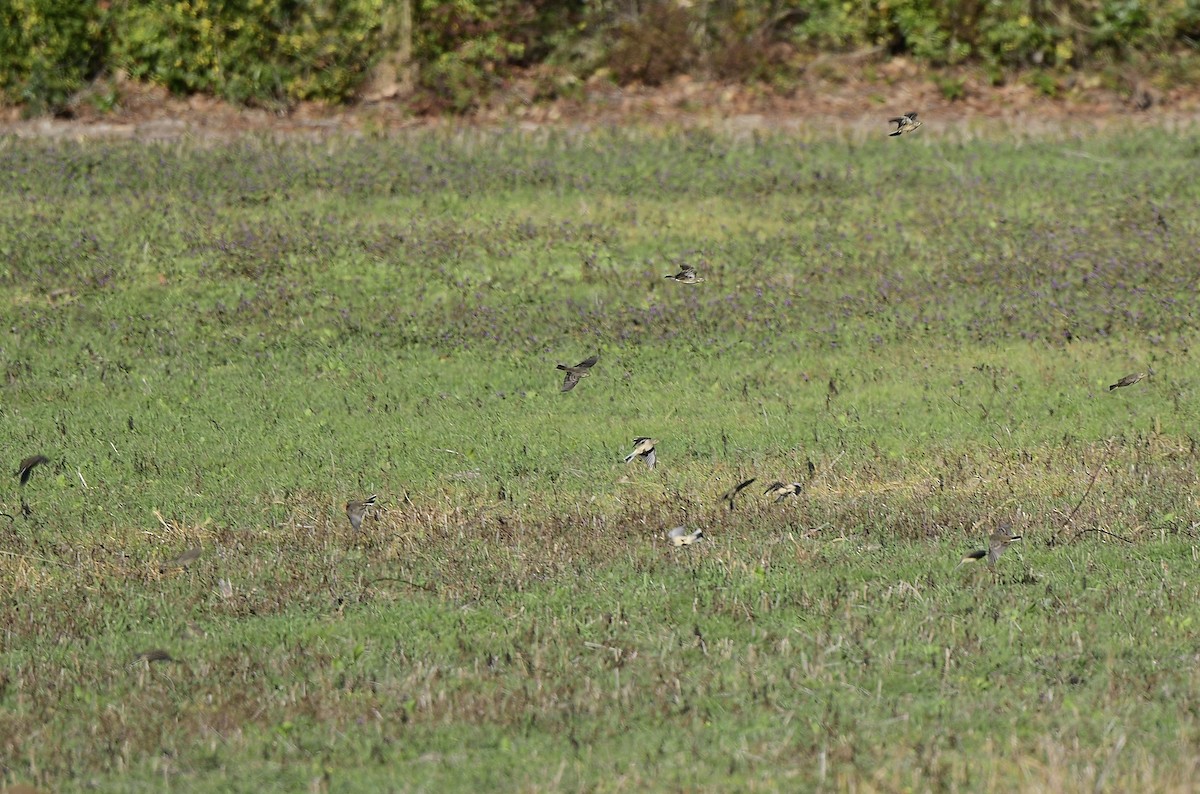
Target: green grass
x=218, y=345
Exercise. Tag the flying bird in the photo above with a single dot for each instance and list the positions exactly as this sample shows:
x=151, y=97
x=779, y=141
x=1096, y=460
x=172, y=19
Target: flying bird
x=356, y=510
x=156, y=655
x=732, y=493
x=183, y=560
x=679, y=536
x=1128, y=380
x=782, y=490
x=643, y=447
x=686, y=275
x=25, y=467
x=577, y=372
x=906, y=123
x=997, y=543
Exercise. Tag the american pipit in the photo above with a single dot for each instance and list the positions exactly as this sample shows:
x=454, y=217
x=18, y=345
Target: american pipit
x=1128, y=380
x=577, y=372
x=155, y=655
x=25, y=467
x=183, y=560
x=782, y=490
x=906, y=123
x=732, y=493
x=356, y=510
x=997, y=543
x=643, y=447
x=686, y=275
x=680, y=536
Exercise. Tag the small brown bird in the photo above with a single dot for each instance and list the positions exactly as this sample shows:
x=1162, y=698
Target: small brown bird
x=577, y=372
x=679, y=536
x=906, y=123
x=686, y=275
x=732, y=493
x=782, y=490
x=643, y=447
x=356, y=510
x=183, y=560
x=997, y=543
x=1128, y=380
x=25, y=467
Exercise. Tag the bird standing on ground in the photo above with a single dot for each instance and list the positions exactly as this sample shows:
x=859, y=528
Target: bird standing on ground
x=997, y=543
x=577, y=372
x=1128, y=380
x=782, y=490
x=732, y=493
x=679, y=536
x=356, y=510
x=643, y=447
x=686, y=275
x=906, y=123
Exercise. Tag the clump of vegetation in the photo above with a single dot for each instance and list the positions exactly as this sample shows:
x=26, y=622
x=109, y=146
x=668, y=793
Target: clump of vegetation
x=278, y=52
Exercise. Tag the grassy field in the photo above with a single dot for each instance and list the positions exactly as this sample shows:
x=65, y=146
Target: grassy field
x=218, y=345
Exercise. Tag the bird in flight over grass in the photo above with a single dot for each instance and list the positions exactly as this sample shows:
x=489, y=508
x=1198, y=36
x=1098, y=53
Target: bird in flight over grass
x=679, y=536
x=643, y=447
x=906, y=123
x=782, y=490
x=732, y=493
x=356, y=510
x=25, y=467
x=686, y=275
x=997, y=543
x=1128, y=380
x=183, y=560
x=577, y=372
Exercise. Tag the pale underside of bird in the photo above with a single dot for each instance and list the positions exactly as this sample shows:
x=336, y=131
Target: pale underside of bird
x=731, y=494
x=782, y=490
x=577, y=372
x=906, y=123
x=997, y=543
x=1128, y=380
x=643, y=447
x=686, y=275
x=357, y=510
x=680, y=536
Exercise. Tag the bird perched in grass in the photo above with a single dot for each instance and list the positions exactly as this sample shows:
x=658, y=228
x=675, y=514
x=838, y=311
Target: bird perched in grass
x=1128, y=380
x=577, y=372
x=686, y=275
x=643, y=447
x=782, y=490
x=679, y=536
x=25, y=467
x=997, y=543
x=356, y=510
x=906, y=123
x=732, y=493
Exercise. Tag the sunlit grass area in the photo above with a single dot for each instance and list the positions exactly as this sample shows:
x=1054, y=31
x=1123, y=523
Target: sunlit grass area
x=218, y=345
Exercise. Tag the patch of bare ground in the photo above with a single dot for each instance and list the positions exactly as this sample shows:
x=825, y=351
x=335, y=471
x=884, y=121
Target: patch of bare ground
x=851, y=98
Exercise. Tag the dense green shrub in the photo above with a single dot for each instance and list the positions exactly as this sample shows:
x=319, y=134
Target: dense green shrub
x=284, y=51
x=265, y=51
x=48, y=50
